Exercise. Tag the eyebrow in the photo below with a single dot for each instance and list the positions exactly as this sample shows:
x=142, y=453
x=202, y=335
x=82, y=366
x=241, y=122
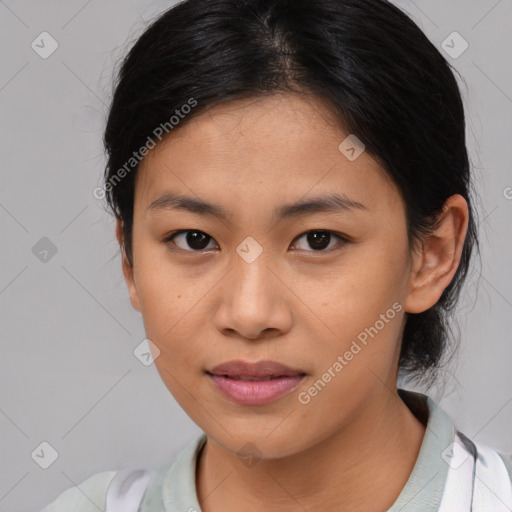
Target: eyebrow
x=321, y=204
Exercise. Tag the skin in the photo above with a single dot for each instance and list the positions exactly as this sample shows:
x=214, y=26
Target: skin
x=354, y=445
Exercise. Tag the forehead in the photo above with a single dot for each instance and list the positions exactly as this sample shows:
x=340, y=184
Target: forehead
x=275, y=148
x=258, y=125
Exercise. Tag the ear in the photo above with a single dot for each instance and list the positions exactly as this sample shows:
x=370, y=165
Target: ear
x=436, y=261
x=127, y=268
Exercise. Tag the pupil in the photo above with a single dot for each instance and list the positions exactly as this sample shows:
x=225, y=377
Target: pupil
x=318, y=239
x=197, y=239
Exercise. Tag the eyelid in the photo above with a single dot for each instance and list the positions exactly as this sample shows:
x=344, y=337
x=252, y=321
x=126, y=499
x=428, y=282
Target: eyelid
x=168, y=239
x=343, y=241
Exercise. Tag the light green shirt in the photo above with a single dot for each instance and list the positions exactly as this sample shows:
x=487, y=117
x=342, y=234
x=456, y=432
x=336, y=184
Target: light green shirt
x=173, y=488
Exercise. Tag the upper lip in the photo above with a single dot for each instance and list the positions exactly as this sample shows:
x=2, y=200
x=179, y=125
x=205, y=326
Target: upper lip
x=257, y=369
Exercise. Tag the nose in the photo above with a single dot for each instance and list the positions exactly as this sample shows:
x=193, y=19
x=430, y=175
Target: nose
x=253, y=302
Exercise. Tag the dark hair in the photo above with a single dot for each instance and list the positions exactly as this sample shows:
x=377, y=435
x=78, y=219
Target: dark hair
x=381, y=76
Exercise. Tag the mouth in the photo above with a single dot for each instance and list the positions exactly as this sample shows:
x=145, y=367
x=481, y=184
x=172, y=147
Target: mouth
x=254, y=383
x=248, y=378
x=260, y=370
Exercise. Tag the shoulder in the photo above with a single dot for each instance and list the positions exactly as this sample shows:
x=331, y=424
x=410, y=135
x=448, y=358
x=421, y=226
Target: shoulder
x=507, y=460
x=88, y=496
x=493, y=483
x=490, y=462
x=490, y=472
x=123, y=488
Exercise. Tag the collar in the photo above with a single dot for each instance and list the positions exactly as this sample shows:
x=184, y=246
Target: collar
x=422, y=491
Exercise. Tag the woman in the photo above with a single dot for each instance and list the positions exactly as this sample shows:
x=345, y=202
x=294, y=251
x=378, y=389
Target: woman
x=291, y=186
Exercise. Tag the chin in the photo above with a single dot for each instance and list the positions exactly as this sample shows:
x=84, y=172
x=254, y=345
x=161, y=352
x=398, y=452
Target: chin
x=255, y=444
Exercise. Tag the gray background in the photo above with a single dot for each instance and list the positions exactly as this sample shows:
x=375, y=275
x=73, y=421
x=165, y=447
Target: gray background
x=68, y=374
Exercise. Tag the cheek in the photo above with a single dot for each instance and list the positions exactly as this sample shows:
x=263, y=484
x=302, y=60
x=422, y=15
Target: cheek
x=361, y=311
x=163, y=303
x=174, y=310
x=370, y=281
x=160, y=285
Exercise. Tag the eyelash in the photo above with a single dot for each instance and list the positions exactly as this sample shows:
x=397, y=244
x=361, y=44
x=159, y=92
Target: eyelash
x=169, y=239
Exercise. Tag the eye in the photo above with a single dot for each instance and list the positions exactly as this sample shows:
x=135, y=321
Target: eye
x=195, y=240
x=319, y=240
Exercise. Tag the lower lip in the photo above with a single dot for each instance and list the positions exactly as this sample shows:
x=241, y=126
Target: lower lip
x=260, y=392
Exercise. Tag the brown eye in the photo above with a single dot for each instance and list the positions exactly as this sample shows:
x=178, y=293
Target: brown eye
x=319, y=240
x=190, y=240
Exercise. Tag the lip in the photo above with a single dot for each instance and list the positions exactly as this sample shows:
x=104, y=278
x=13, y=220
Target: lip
x=268, y=382
x=267, y=368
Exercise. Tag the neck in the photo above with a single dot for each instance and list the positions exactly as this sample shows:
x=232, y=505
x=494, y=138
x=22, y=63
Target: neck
x=363, y=466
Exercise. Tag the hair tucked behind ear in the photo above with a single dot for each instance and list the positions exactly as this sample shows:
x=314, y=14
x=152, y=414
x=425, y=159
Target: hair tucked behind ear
x=379, y=73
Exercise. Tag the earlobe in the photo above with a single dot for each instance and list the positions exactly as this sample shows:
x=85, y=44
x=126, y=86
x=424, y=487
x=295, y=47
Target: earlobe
x=128, y=271
x=437, y=260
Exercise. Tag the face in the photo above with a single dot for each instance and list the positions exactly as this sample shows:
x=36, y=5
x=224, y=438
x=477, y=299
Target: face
x=321, y=289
